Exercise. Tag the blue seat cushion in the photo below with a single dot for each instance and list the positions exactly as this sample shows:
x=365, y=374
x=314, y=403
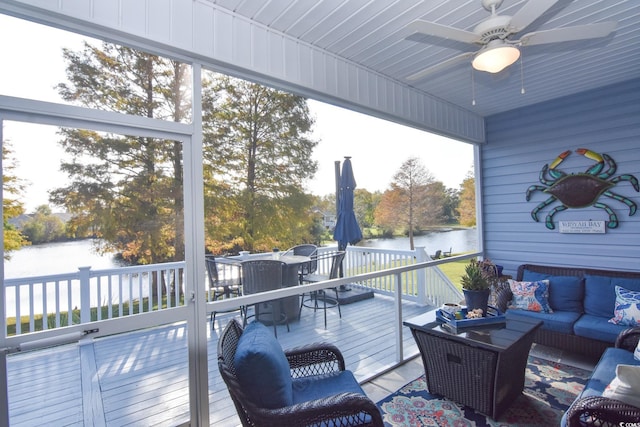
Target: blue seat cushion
x=598, y=328
x=600, y=294
x=321, y=386
x=605, y=370
x=566, y=293
x=604, y=373
x=262, y=368
x=558, y=321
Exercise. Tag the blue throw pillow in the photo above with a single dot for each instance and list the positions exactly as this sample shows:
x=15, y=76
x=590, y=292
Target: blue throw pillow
x=566, y=293
x=627, y=309
x=262, y=368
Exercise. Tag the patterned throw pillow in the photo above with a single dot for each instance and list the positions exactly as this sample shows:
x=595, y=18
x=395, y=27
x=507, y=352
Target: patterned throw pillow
x=627, y=308
x=530, y=296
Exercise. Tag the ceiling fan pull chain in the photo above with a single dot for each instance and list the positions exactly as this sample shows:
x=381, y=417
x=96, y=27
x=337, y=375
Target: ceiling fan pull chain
x=521, y=75
x=473, y=89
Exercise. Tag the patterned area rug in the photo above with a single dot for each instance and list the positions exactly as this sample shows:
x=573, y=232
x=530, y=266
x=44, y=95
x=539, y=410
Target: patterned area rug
x=548, y=391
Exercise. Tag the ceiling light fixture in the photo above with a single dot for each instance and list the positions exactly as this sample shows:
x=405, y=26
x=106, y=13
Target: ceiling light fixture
x=495, y=57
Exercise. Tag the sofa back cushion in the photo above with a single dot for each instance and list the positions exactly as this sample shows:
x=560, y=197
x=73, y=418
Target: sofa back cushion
x=262, y=368
x=566, y=293
x=600, y=295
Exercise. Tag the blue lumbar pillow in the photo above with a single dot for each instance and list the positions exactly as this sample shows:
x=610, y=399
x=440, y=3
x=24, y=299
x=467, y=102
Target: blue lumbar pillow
x=262, y=368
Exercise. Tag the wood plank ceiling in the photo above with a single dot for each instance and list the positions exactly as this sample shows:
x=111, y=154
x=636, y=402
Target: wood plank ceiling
x=374, y=34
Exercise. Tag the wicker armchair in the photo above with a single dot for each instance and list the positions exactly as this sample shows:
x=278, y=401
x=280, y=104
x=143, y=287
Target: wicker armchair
x=342, y=408
x=603, y=411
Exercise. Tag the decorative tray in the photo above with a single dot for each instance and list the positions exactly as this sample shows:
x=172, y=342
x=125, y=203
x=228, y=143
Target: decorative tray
x=494, y=316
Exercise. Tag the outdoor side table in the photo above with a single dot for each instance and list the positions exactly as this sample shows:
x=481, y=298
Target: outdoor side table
x=481, y=367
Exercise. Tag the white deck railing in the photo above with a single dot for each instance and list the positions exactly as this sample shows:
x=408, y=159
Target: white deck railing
x=87, y=295
x=426, y=286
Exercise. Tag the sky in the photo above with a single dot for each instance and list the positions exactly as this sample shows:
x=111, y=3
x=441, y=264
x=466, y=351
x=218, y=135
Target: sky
x=377, y=147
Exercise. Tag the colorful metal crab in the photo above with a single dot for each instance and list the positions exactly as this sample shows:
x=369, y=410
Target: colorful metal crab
x=583, y=189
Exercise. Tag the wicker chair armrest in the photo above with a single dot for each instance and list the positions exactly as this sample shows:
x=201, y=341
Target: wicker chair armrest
x=628, y=339
x=599, y=411
x=314, y=359
x=352, y=409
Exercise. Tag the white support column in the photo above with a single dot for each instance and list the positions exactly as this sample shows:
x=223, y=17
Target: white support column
x=194, y=262
x=4, y=393
x=477, y=168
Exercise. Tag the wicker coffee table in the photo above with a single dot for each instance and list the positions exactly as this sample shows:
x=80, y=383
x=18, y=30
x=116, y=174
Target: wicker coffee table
x=480, y=367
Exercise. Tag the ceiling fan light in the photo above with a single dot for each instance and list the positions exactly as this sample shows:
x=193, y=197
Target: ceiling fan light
x=495, y=58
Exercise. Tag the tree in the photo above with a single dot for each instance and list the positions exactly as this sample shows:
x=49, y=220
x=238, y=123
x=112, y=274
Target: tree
x=414, y=201
x=257, y=155
x=43, y=226
x=450, y=209
x=364, y=205
x=12, y=188
x=467, y=206
x=126, y=189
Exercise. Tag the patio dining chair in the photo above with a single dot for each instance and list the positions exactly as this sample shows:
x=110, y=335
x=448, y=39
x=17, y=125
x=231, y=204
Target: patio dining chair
x=261, y=276
x=221, y=288
x=305, y=250
x=308, y=385
x=311, y=299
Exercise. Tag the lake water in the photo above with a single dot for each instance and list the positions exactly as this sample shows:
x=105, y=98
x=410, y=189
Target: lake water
x=54, y=258
x=456, y=240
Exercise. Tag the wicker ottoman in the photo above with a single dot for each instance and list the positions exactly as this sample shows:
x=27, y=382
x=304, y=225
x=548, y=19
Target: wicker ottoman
x=482, y=367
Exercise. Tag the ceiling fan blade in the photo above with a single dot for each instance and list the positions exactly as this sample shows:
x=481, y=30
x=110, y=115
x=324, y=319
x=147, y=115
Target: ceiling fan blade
x=441, y=66
x=578, y=32
x=442, y=31
x=531, y=11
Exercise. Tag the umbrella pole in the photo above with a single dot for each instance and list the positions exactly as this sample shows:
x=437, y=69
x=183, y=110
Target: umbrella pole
x=337, y=173
x=341, y=288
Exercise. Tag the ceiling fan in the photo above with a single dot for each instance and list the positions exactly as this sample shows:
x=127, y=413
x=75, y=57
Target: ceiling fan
x=498, y=49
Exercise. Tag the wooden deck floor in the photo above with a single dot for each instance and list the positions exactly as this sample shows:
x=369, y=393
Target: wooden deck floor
x=141, y=378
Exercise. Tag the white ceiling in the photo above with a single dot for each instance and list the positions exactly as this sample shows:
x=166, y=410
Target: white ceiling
x=373, y=34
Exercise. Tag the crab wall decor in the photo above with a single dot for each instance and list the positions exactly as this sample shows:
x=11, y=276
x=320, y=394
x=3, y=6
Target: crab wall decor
x=580, y=190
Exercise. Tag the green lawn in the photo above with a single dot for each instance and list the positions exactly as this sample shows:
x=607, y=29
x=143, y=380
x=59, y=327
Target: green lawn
x=64, y=316
x=454, y=271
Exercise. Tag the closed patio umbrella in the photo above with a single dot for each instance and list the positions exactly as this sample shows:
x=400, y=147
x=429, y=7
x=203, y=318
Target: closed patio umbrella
x=347, y=230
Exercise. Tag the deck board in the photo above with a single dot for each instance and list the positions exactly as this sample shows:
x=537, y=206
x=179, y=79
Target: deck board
x=141, y=378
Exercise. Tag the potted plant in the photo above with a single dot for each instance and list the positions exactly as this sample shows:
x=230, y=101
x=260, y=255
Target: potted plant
x=476, y=285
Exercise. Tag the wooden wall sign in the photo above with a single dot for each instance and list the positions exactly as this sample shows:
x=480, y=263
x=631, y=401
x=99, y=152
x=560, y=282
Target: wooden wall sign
x=581, y=227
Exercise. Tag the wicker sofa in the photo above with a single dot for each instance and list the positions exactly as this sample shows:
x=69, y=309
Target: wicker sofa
x=592, y=409
x=583, y=301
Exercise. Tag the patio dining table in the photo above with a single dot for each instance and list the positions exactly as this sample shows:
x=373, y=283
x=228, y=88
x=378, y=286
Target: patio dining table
x=290, y=276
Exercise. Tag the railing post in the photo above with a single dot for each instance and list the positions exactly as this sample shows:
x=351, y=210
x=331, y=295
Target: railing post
x=398, y=312
x=421, y=275
x=85, y=296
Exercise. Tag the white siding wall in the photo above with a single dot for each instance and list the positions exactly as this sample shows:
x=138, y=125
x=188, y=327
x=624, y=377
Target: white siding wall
x=204, y=32
x=519, y=143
